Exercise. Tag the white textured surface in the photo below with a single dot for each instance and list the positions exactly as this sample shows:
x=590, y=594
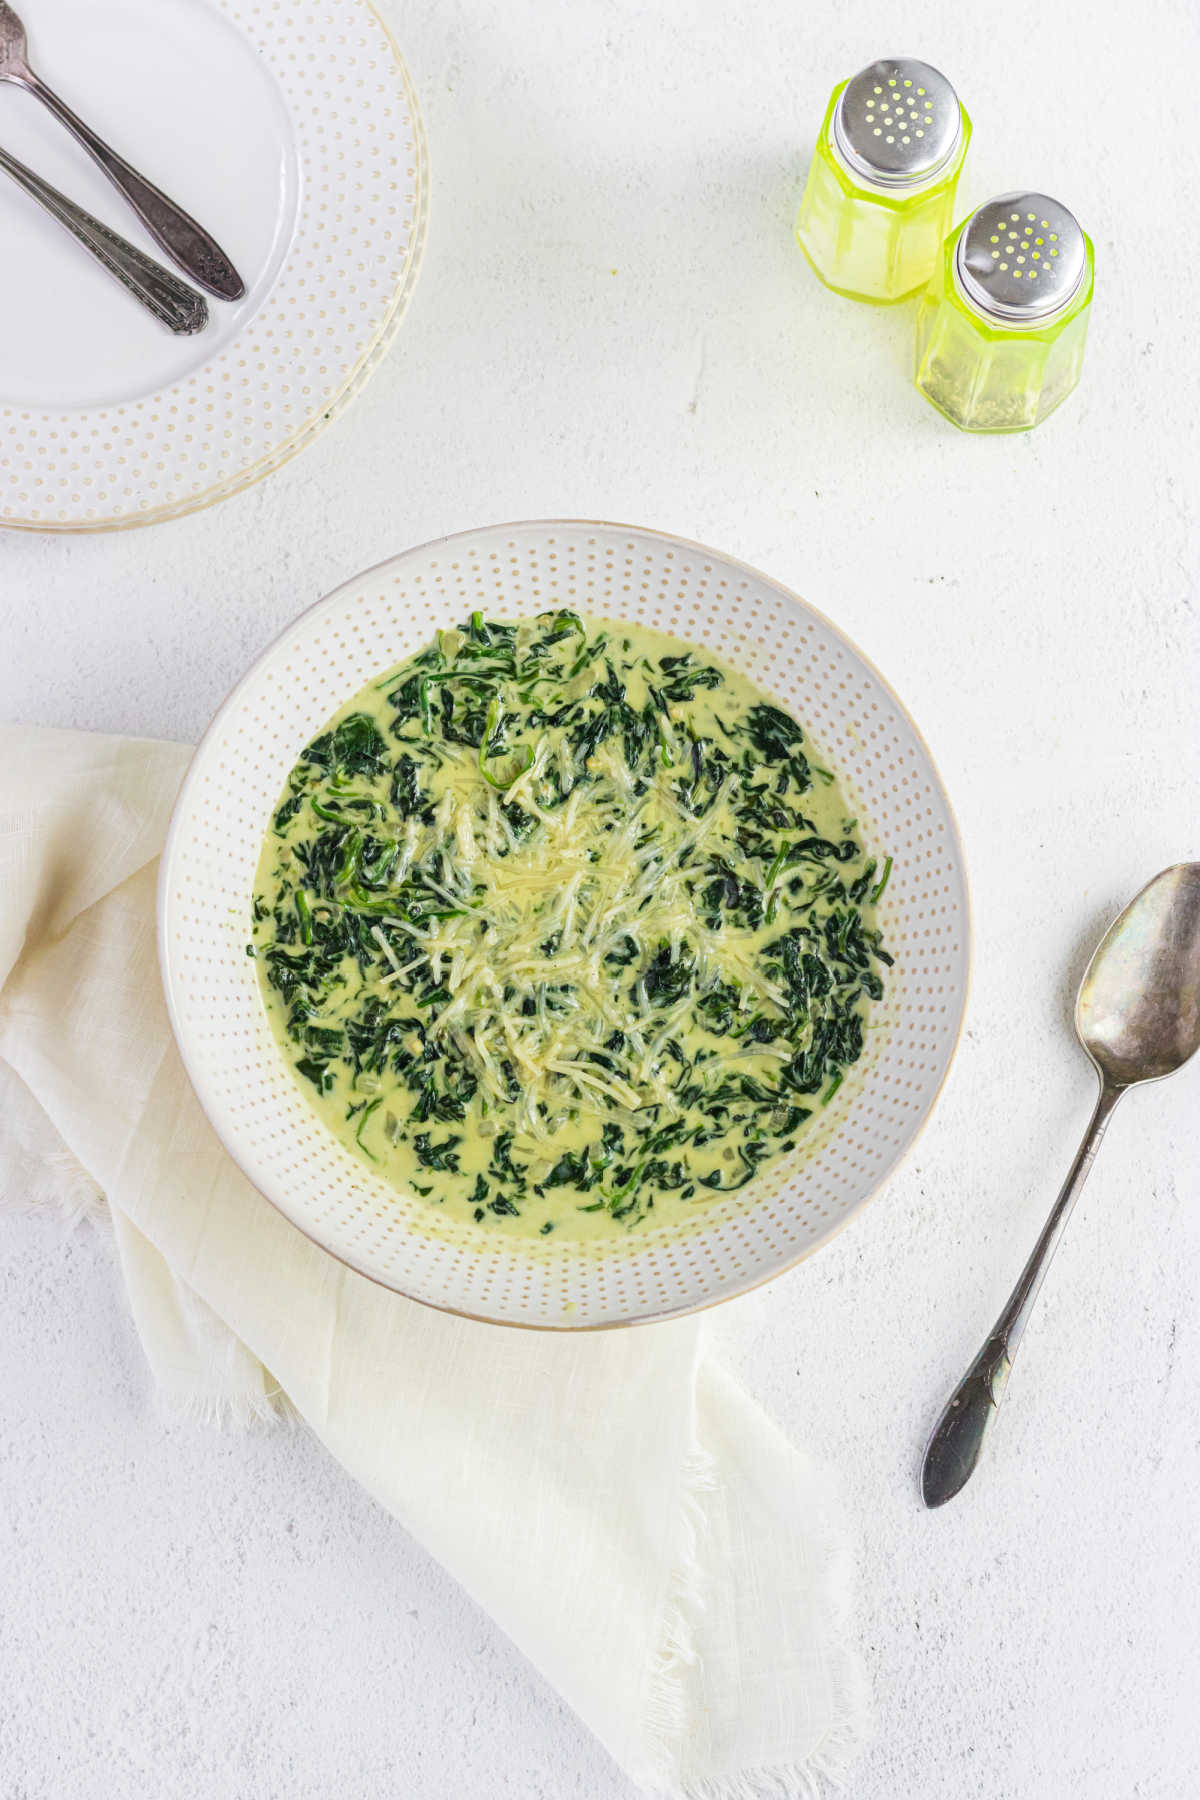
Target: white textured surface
x=185, y=1614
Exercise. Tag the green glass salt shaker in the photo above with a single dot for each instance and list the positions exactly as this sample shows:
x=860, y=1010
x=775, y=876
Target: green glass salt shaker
x=1002, y=324
x=879, y=198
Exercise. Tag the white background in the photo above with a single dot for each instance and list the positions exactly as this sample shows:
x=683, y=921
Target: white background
x=613, y=321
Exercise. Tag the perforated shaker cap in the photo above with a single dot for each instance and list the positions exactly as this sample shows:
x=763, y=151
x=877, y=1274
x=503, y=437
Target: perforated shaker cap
x=897, y=123
x=1020, y=259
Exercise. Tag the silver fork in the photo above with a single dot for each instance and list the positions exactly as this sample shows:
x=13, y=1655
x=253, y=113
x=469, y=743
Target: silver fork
x=178, y=306
x=197, y=254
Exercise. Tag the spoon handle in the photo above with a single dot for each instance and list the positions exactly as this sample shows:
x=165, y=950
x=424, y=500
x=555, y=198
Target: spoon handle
x=957, y=1441
x=178, y=306
x=187, y=242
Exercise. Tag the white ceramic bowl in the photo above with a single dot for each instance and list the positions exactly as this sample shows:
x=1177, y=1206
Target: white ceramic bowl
x=252, y=1099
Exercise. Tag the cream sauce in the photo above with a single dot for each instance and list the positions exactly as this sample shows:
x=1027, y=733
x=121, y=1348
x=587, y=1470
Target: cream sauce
x=590, y=975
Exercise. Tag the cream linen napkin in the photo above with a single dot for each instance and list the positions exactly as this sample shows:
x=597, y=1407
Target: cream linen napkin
x=629, y=1517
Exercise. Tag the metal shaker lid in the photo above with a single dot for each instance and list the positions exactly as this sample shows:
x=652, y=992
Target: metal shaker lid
x=897, y=123
x=1020, y=259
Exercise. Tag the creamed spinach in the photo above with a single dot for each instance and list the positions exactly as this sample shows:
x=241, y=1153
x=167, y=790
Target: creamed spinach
x=561, y=926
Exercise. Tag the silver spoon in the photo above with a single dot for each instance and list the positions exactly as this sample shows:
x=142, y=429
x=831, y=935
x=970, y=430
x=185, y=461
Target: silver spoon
x=172, y=301
x=197, y=254
x=1138, y=1018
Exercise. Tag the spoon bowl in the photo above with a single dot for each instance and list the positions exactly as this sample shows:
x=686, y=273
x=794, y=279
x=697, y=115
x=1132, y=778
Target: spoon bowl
x=1138, y=1011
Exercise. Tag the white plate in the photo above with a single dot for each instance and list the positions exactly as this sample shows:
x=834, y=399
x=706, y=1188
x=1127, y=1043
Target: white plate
x=250, y=1095
x=292, y=134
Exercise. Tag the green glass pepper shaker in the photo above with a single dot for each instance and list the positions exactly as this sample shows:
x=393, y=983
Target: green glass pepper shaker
x=1002, y=324
x=879, y=198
